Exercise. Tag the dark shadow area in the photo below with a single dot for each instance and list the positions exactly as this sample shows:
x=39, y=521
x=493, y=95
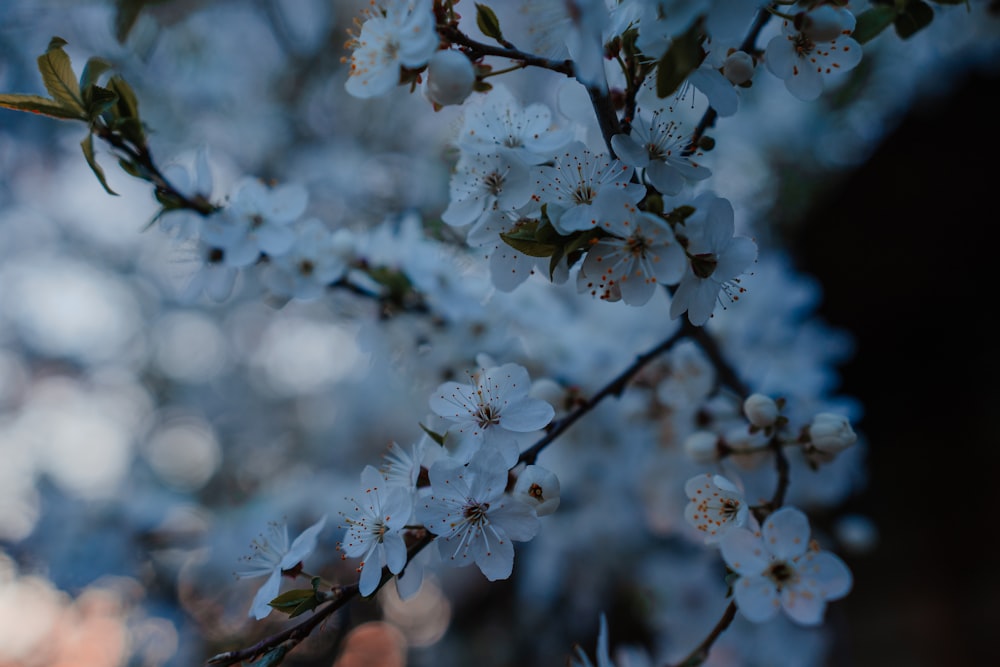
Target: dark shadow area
x=907, y=250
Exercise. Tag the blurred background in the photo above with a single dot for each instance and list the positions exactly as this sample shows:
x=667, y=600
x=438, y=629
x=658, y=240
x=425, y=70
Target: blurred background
x=145, y=438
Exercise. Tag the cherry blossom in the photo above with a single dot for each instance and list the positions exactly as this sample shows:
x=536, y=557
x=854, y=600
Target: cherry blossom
x=659, y=147
x=715, y=506
x=802, y=61
x=374, y=532
x=717, y=259
x=780, y=569
x=401, y=35
x=589, y=188
x=474, y=520
x=492, y=410
x=271, y=556
x=496, y=122
x=639, y=254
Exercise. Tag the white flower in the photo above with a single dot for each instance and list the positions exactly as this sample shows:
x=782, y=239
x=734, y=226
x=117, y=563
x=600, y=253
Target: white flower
x=831, y=433
x=483, y=182
x=658, y=147
x=779, y=569
x=496, y=122
x=641, y=254
x=589, y=188
x=403, y=34
x=450, y=77
x=474, y=520
x=257, y=220
x=717, y=259
x=493, y=410
x=802, y=61
x=715, y=505
x=402, y=467
x=538, y=486
x=374, y=534
x=271, y=555
x=194, y=182
x=318, y=258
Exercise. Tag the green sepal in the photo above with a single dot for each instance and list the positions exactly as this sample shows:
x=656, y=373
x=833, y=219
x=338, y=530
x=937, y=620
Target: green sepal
x=132, y=169
x=871, y=22
x=915, y=16
x=436, y=437
x=488, y=22
x=683, y=57
x=88, y=152
x=99, y=100
x=39, y=105
x=57, y=75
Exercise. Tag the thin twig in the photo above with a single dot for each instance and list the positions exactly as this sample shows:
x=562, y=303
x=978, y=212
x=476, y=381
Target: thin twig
x=341, y=595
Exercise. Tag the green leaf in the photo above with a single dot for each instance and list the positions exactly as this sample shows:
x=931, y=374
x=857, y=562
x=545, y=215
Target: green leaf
x=529, y=247
x=436, y=437
x=99, y=100
x=92, y=71
x=488, y=23
x=88, y=152
x=58, y=77
x=683, y=57
x=916, y=16
x=39, y=105
x=128, y=103
x=871, y=22
x=292, y=599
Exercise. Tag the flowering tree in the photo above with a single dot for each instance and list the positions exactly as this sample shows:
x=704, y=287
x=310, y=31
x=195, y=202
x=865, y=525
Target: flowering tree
x=605, y=377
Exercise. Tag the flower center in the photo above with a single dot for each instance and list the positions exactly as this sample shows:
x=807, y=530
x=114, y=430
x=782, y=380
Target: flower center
x=781, y=574
x=494, y=182
x=487, y=415
x=584, y=194
x=803, y=45
x=306, y=267
x=476, y=513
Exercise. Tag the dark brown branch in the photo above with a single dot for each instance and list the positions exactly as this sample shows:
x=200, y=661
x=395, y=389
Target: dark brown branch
x=615, y=387
x=452, y=34
x=141, y=156
x=700, y=654
x=294, y=635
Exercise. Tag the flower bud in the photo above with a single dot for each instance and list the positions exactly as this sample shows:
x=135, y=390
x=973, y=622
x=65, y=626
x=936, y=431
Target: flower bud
x=831, y=433
x=539, y=488
x=761, y=410
x=825, y=23
x=702, y=447
x=738, y=68
x=450, y=76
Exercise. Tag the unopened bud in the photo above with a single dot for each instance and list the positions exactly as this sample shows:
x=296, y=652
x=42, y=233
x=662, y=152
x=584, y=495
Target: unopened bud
x=738, y=68
x=538, y=487
x=831, y=433
x=761, y=410
x=450, y=77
